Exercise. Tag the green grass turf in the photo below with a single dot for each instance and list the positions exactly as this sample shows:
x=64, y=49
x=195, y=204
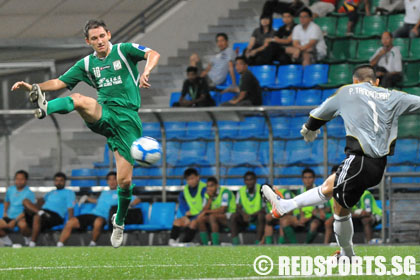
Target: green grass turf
x=167, y=262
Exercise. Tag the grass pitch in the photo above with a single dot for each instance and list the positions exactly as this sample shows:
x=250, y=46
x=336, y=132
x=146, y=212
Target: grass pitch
x=169, y=263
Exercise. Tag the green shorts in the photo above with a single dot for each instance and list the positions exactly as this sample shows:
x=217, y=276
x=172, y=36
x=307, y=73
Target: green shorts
x=120, y=126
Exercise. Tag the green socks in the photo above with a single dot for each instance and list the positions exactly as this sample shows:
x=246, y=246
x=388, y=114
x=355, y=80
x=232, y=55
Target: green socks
x=235, y=240
x=289, y=232
x=215, y=238
x=269, y=240
x=281, y=240
x=62, y=105
x=124, y=199
x=204, y=238
x=310, y=237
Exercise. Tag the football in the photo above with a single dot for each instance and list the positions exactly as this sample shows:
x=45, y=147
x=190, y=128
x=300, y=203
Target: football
x=146, y=151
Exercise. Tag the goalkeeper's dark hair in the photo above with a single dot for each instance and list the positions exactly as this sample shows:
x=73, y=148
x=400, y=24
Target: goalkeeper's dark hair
x=190, y=171
x=364, y=73
x=60, y=175
x=92, y=24
x=111, y=173
x=213, y=179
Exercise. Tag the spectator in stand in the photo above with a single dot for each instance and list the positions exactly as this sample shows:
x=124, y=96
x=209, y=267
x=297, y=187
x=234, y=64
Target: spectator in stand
x=275, y=6
x=411, y=20
x=57, y=204
x=390, y=6
x=249, y=209
x=308, y=41
x=387, y=62
x=196, y=89
x=322, y=7
x=282, y=39
x=13, y=208
x=258, y=52
x=220, y=64
x=249, y=91
x=350, y=8
x=191, y=201
x=368, y=213
x=97, y=217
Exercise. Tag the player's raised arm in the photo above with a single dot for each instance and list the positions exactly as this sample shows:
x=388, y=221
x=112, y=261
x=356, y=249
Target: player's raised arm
x=50, y=85
x=152, y=58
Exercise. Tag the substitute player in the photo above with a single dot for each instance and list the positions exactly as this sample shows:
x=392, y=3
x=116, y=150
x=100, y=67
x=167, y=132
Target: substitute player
x=370, y=115
x=112, y=71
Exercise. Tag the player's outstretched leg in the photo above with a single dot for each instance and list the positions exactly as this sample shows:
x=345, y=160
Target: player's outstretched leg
x=125, y=191
x=312, y=197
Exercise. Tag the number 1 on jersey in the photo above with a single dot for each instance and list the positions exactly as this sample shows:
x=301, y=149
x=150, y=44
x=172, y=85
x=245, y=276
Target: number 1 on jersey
x=375, y=115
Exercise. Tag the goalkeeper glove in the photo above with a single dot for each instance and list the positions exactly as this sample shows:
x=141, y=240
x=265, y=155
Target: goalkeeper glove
x=309, y=135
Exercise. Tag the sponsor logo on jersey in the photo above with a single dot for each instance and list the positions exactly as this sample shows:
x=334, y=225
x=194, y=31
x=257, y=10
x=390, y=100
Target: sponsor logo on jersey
x=97, y=72
x=108, y=82
x=117, y=65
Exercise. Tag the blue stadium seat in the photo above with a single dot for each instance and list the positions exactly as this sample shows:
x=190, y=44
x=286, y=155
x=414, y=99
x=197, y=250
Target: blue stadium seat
x=1, y=209
x=86, y=208
x=161, y=218
x=289, y=76
x=208, y=171
x=244, y=152
x=340, y=156
x=174, y=98
x=335, y=128
x=225, y=97
x=175, y=171
x=298, y=151
x=315, y=74
x=199, y=130
x=251, y=127
x=327, y=93
x=280, y=126
x=334, y=156
x=152, y=129
x=83, y=172
x=239, y=47
x=403, y=168
x=225, y=150
x=216, y=97
x=172, y=149
x=236, y=171
x=192, y=153
x=144, y=207
x=278, y=156
x=265, y=74
x=296, y=125
x=277, y=23
x=105, y=162
x=290, y=171
x=228, y=129
x=318, y=169
x=228, y=82
x=175, y=130
x=284, y=97
x=262, y=171
x=405, y=151
x=309, y=97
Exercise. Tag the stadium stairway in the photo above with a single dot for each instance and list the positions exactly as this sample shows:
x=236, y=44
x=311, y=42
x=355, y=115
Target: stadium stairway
x=238, y=24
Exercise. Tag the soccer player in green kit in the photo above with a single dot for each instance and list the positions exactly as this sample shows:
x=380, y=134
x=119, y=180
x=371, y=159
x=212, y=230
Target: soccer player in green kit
x=112, y=71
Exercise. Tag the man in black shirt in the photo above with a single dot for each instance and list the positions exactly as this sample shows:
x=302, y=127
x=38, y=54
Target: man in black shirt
x=282, y=39
x=249, y=91
x=197, y=90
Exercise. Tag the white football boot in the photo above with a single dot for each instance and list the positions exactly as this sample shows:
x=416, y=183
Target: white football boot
x=274, y=199
x=117, y=236
x=37, y=97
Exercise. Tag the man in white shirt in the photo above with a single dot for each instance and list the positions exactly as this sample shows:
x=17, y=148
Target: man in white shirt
x=308, y=41
x=387, y=62
x=411, y=20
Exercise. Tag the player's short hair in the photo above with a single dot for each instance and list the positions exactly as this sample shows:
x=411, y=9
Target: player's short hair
x=92, y=24
x=213, y=179
x=243, y=58
x=334, y=168
x=192, y=69
x=250, y=173
x=224, y=35
x=60, y=175
x=308, y=170
x=111, y=173
x=22, y=172
x=190, y=171
x=364, y=72
x=306, y=10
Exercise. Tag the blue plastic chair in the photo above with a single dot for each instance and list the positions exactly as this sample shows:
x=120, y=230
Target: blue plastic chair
x=405, y=152
x=161, y=218
x=265, y=74
x=228, y=129
x=233, y=181
x=278, y=156
x=251, y=127
x=296, y=125
x=239, y=47
x=244, y=152
x=225, y=151
x=225, y=97
x=277, y=23
x=175, y=130
x=335, y=127
x=299, y=151
x=1, y=209
x=199, y=130
x=174, y=98
x=83, y=172
x=262, y=171
x=152, y=129
x=144, y=207
x=192, y=153
x=315, y=74
x=403, y=168
x=216, y=97
x=291, y=171
x=284, y=97
x=280, y=126
x=289, y=76
x=172, y=152
x=105, y=162
x=309, y=97
x=327, y=93
x=208, y=171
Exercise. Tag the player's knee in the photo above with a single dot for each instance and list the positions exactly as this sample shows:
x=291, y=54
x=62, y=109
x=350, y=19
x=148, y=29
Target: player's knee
x=22, y=224
x=79, y=100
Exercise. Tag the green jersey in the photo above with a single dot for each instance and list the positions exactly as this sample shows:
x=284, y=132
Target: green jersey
x=115, y=77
